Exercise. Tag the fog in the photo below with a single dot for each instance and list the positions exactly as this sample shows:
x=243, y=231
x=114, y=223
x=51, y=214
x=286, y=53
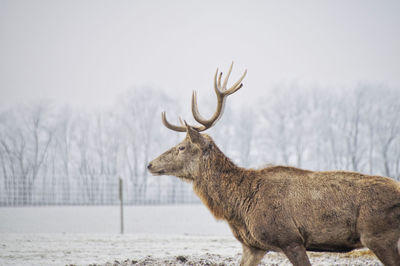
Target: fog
x=54, y=155
x=86, y=53
x=83, y=83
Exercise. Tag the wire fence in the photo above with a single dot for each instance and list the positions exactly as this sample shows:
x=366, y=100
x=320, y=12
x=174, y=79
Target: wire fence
x=100, y=190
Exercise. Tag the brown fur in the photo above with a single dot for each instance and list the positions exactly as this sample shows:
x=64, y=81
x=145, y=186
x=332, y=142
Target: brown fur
x=287, y=209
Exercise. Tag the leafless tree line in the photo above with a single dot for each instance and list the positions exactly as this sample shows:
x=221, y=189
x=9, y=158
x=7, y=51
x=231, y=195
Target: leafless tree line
x=355, y=130
x=57, y=155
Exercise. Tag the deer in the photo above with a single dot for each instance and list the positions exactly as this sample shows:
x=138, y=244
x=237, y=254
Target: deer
x=283, y=208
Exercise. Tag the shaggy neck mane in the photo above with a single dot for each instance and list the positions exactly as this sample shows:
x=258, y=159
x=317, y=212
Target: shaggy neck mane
x=218, y=183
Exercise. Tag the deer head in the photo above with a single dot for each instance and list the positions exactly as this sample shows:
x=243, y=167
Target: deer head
x=184, y=159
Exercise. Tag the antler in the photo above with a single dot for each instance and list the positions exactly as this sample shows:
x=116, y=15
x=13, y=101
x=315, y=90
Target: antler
x=221, y=93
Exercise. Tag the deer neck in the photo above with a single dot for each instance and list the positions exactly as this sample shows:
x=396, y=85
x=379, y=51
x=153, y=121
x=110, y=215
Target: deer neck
x=218, y=184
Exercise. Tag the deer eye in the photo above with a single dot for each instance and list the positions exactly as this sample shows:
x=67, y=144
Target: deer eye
x=181, y=148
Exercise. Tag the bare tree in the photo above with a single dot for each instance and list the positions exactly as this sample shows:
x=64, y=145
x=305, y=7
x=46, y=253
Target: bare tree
x=25, y=143
x=63, y=149
x=140, y=135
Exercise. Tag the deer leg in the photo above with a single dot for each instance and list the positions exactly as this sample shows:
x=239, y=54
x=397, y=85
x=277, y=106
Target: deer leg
x=296, y=253
x=251, y=256
x=388, y=256
x=385, y=249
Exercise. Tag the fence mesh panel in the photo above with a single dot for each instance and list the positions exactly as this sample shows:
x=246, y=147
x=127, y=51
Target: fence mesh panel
x=99, y=190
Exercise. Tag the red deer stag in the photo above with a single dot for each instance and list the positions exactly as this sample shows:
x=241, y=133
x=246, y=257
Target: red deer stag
x=281, y=208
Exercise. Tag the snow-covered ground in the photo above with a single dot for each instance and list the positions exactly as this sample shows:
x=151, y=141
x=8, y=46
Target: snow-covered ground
x=154, y=235
x=168, y=219
x=85, y=249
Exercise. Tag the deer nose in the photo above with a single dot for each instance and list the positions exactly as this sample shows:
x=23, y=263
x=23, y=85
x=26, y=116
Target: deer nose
x=149, y=166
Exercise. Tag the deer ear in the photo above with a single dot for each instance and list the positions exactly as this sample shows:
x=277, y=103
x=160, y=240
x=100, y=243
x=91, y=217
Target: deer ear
x=194, y=135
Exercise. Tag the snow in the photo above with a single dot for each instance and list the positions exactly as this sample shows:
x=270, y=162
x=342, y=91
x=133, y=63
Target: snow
x=83, y=249
x=168, y=219
x=155, y=235
x=161, y=249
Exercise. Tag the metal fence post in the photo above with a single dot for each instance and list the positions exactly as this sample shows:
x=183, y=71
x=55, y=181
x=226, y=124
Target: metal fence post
x=121, y=199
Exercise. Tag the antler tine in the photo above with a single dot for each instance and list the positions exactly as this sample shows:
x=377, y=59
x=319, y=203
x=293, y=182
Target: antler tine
x=238, y=84
x=219, y=82
x=216, y=82
x=195, y=110
x=170, y=126
x=226, y=78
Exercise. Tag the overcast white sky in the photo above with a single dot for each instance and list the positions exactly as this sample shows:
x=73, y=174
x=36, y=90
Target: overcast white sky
x=89, y=52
